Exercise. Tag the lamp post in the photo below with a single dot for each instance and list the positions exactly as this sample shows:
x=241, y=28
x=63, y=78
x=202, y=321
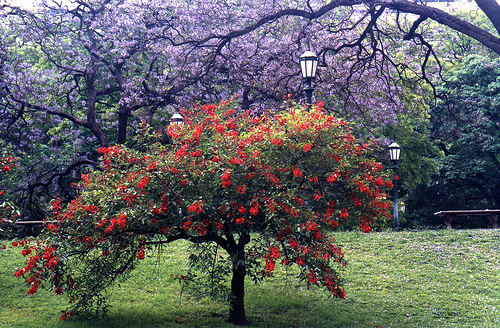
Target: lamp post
x=308, y=65
x=394, y=153
x=177, y=119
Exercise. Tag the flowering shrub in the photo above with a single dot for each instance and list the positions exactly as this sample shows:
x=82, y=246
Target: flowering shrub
x=227, y=176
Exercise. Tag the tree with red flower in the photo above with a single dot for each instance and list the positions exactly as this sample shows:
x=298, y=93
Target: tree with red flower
x=287, y=180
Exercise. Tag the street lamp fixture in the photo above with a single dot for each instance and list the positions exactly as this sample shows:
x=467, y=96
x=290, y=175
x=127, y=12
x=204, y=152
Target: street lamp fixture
x=177, y=119
x=394, y=153
x=308, y=65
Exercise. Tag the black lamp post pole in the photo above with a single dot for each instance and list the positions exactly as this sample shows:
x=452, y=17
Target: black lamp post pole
x=395, y=195
x=309, y=91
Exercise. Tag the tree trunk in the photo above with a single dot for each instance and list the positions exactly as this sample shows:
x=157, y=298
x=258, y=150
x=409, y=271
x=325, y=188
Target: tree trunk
x=237, y=314
x=122, y=126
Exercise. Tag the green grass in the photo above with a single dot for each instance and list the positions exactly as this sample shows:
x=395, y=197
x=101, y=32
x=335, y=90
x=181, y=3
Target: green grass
x=436, y=278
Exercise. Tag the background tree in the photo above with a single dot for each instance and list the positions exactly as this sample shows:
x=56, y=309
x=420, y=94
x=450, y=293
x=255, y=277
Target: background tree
x=108, y=65
x=466, y=126
x=229, y=177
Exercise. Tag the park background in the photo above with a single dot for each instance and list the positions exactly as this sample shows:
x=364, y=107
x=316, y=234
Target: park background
x=76, y=78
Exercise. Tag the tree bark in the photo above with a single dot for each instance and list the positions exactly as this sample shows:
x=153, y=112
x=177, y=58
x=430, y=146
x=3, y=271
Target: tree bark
x=122, y=126
x=492, y=10
x=237, y=314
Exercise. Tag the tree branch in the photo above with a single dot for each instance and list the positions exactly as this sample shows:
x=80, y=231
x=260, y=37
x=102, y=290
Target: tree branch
x=492, y=10
x=440, y=16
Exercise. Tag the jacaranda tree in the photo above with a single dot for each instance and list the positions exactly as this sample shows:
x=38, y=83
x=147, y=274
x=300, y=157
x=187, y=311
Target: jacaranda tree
x=84, y=74
x=266, y=190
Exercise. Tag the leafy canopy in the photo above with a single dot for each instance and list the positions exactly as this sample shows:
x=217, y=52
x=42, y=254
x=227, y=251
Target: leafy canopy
x=227, y=177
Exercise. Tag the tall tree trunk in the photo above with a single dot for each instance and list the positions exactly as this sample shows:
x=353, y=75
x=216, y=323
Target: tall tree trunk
x=123, y=114
x=237, y=314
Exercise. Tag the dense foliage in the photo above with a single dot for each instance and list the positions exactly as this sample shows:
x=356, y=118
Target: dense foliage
x=8, y=211
x=86, y=74
x=266, y=190
x=466, y=127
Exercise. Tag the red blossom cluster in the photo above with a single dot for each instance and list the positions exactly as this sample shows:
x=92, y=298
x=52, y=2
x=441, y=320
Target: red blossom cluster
x=41, y=265
x=196, y=207
x=273, y=254
x=7, y=163
x=226, y=179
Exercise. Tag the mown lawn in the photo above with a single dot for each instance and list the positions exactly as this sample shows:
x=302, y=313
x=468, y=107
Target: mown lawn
x=435, y=278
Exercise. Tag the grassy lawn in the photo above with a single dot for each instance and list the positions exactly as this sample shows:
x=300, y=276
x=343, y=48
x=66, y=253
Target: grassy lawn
x=436, y=278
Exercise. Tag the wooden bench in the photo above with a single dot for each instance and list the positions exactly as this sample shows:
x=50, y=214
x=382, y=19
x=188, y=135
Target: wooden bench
x=451, y=215
x=29, y=226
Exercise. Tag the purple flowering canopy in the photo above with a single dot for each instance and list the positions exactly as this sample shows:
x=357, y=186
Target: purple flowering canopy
x=81, y=74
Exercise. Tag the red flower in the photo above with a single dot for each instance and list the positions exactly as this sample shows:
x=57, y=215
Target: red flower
x=312, y=277
x=344, y=214
x=236, y=160
x=242, y=209
x=334, y=224
x=333, y=177
x=26, y=252
x=111, y=227
x=320, y=194
x=33, y=289
x=277, y=142
x=363, y=188
x=219, y=128
x=299, y=200
x=241, y=189
x=226, y=179
x=122, y=221
x=184, y=182
x=254, y=210
x=144, y=181
x=307, y=147
x=240, y=220
x=151, y=166
x=296, y=172
x=66, y=315
x=196, y=207
x=269, y=264
x=141, y=253
x=275, y=252
x=56, y=206
x=366, y=228
x=186, y=225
